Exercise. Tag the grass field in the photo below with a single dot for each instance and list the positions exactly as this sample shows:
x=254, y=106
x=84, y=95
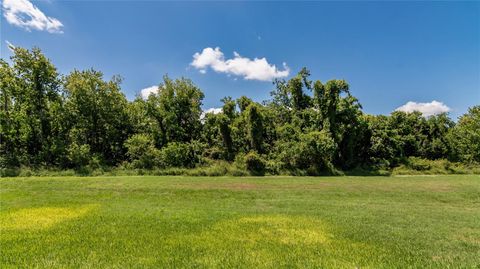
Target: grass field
x=167, y=222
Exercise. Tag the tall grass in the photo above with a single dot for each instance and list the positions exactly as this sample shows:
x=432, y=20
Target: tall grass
x=410, y=166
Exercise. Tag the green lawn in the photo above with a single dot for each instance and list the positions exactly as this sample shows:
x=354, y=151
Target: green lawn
x=273, y=222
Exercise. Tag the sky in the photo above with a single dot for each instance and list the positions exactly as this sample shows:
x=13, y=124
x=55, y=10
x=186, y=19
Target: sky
x=395, y=55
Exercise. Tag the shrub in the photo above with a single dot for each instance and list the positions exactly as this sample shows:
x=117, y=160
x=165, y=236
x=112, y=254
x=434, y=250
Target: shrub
x=274, y=167
x=9, y=172
x=418, y=164
x=95, y=162
x=318, y=149
x=415, y=165
x=177, y=154
x=214, y=153
x=79, y=155
x=142, y=151
x=314, y=152
x=215, y=169
x=254, y=163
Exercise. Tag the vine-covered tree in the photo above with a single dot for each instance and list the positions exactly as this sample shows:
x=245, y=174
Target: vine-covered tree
x=254, y=127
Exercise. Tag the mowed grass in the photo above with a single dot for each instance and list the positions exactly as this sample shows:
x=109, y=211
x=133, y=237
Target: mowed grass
x=271, y=222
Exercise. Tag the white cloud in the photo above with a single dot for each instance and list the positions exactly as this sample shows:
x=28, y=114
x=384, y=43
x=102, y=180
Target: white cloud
x=147, y=91
x=256, y=69
x=427, y=109
x=213, y=110
x=24, y=14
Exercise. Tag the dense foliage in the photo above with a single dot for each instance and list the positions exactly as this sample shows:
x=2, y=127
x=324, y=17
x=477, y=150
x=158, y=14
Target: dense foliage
x=81, y=119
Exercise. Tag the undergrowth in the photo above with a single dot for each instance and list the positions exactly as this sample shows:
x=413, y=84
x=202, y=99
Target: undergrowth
x=410, y=166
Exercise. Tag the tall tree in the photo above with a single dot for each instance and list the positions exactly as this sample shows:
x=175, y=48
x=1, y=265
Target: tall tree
x=177, y=108
x=465, y=136
x=97, y=113
x=38, y=87
x=225, y=131
x=10, y=118
x=228, y=108
x=254, y=127
x=435, y=144
x=327, y=98
x=243, y=102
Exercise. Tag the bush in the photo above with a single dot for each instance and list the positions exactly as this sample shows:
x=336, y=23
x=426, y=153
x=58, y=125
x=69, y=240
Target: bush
x=79, y=155
x=274, y=167
x=254, y=163
x=95, y=162
x=142, y=151
x=313, y=153
x=415, y=165
x=418, y=164
x=9, y=172
x=236, y=172
x=214, y=153
x=177, y=154
x=215, y=169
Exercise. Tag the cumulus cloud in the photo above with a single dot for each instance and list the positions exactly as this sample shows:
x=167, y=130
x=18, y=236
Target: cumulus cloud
x=213, y=110
x=147, y=91
x=256, y=69
x=427, y=109
x=24, y=14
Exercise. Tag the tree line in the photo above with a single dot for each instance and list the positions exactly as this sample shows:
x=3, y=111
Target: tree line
x=81, y=119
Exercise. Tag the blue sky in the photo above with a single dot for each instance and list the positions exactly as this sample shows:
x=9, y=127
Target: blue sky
x=390, y=52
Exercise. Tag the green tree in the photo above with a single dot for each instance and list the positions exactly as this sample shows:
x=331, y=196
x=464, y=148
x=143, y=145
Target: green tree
x=317, y=148
x=228, y=108
x=10, y=117
x=177, y=110
x=313, y=151
x=254, y=127
x=36, y=92
x=79, y=155
x=177, y=154
x=411, y=129
x=327, y=99
x=97, y=114
x=141, y=151
x=385, y=145
x=243, y=102
x=465, y=136
x=435, y=144
x=225, y=131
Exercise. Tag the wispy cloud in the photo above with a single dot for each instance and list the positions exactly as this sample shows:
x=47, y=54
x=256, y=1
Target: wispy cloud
x=256, y=69
x=427, y=109
x=24, y=14
x=10, y=46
